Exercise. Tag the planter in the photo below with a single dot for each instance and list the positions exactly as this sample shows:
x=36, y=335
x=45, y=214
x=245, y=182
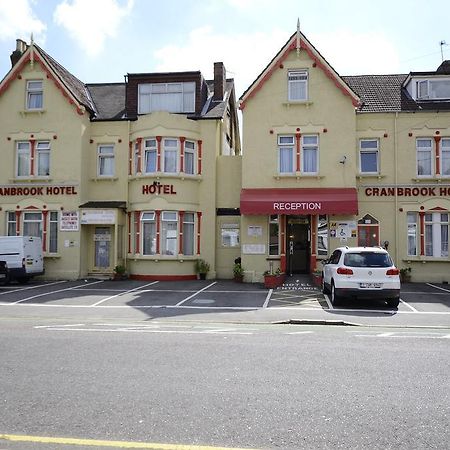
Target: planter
x=274, y=281
x=202, y=276
x=238, y=278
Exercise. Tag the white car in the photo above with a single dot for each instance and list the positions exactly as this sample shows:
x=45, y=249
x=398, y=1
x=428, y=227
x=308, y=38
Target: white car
x=361, y=272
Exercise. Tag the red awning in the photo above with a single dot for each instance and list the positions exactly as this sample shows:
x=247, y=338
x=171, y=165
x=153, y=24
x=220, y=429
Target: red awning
x=299, y=201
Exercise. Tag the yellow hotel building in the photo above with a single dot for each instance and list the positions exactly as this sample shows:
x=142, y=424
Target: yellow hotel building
x=149, y=173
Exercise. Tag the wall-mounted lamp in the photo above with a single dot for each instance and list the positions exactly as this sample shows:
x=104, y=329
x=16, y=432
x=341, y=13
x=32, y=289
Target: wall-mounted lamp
x=343, y=159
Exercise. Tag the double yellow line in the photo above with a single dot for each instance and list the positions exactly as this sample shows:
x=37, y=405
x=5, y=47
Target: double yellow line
x=101, y=443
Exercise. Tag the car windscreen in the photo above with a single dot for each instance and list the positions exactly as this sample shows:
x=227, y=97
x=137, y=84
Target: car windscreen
x=367, y=259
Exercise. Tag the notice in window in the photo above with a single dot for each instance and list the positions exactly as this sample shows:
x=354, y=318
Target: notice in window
x=70, y=221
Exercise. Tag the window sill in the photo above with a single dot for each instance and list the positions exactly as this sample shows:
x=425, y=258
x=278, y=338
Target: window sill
x=26, y=112
x=162, y=258
x=104, y=179
x=425, y=259
x=161, y=175
x=52, y=255
x=436, y=178
x=294, y=103
x=378, y=176
x=31, y=179
x=297, y=176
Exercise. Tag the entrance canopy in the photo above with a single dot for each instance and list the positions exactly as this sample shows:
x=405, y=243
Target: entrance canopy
x=299, y=201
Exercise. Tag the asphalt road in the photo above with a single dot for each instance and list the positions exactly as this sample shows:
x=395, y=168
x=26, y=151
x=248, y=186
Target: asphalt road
x=221, y=385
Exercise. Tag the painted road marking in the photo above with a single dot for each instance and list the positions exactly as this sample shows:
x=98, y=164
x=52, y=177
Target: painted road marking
x=195, y=294
x=438, y=287
x=124, y=293
x=102, y=443
x=31, y=287
x=266, y=302
x=53, y=292
x=409, y=306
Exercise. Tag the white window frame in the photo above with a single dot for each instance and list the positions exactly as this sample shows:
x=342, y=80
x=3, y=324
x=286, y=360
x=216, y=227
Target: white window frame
x=11, y=223
x=435, y=225
x=297, y=77
x=423, y=150
x=169, y=217
x=425, y=89
x=35, y=92
x=53, y=222
x=190, y=149
x=103, y=157
x=31, y=217
x=445, y=157
x=150, y=149
x=25, y=153
x=186, y=91
x=189, y=230
x=168, y=149
x=42, y=153
x=369, y=150
x=412, y=234
x=285, y=146
x=274, y=224
x=309, y=146
x=149, y=218
x=230, y=235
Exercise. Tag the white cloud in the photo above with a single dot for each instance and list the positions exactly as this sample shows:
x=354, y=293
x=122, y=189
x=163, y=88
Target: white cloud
x=353, y=53
x=244, y=55
x=90, y=22
x=18, y=21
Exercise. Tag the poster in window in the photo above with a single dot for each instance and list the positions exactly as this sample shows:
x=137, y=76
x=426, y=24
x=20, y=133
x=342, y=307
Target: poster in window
x=69, y=221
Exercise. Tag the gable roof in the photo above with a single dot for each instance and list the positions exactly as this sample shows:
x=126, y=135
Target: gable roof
x=298, y=42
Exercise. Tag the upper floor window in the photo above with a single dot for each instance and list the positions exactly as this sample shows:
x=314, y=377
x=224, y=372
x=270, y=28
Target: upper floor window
x=368, y=156
x=171, y=97
x=170, y=147
x=286, y=154
x=189, y=157
x=310, y=150
x=289, y=161
x=437, y=89
x=34, y=94
x=33, y=158
x=106, y=160
x=424, y=148
x=150, y=155
x=445, y=156
x=297, y=85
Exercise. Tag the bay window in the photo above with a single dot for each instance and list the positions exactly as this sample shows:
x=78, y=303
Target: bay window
x=169, y=232
x=148, y=233
x=445, y=156
x=170, y=155
x=188, y=233
x=189, y=157
x=436, y=234
x=151, y=154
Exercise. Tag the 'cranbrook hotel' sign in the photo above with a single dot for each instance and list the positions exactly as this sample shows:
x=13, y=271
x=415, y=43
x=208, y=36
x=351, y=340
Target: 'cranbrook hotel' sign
x=27, y=191
x=401, y=191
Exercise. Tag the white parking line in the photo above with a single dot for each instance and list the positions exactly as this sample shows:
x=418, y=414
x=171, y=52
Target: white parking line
x=195, y=293
x=438, y=287
x=409, y=306
x=123, y=293
x=269, y=294
x=32, y=287
x=53, y=292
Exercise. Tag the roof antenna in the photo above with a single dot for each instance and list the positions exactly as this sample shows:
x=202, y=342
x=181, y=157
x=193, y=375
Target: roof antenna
x=297, y=44
x=442, y=43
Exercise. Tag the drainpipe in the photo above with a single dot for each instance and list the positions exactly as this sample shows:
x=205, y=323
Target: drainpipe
x=396, y=185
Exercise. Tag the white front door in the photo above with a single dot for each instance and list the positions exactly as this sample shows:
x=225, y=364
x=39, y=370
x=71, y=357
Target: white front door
x=102, y=238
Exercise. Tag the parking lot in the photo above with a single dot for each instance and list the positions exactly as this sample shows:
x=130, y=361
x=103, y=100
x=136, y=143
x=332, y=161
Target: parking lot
x=295, y=294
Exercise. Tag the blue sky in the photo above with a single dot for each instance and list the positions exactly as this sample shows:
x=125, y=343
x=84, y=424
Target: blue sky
x=102, y=40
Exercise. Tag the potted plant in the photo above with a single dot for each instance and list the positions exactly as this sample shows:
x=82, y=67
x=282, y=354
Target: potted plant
x=238, y=272
x=405, y=274
x=273, y=279
x=201, y=268
x=120, y=272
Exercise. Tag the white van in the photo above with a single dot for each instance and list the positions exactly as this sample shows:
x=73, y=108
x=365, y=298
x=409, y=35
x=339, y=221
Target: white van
x=23, y=256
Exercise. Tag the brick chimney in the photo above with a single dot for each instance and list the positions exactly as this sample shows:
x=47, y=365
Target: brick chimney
x=220, y=81
x=21, y=47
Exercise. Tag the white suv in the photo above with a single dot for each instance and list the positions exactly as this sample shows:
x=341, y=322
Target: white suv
x=361, y=272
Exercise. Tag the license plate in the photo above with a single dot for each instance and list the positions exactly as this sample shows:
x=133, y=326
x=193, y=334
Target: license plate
x=370, y=285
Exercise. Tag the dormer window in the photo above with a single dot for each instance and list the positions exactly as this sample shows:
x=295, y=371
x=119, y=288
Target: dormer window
x=171, y=97
x=436, y=89
x=34, y=94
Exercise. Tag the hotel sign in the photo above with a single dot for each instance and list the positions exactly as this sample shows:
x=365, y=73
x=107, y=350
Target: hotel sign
x=28, y=191
x=297, y=206
x=424, y=191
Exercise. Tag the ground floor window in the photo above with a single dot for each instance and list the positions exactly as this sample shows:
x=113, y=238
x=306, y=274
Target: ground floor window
x=229, y=234
x=42, y=224
x=436, y=234
x=274, y=235
x=165, y=233
x=322, y=236
x=368, y=231
x=412, y=233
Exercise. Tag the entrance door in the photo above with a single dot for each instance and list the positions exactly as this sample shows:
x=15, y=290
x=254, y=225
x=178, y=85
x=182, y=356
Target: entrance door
x=298, y=244
x=102, y=239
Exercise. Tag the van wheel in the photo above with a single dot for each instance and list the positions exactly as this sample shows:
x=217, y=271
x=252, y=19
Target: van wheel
x=335, y=298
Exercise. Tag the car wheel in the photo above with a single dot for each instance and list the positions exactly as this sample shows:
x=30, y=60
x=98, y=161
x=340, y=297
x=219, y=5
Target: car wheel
x=393, y=302
x=335, y=298
x=325, y=290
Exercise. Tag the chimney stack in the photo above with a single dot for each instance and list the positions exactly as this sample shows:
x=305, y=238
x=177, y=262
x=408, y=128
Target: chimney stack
x=21, y=47
x=220, y=81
